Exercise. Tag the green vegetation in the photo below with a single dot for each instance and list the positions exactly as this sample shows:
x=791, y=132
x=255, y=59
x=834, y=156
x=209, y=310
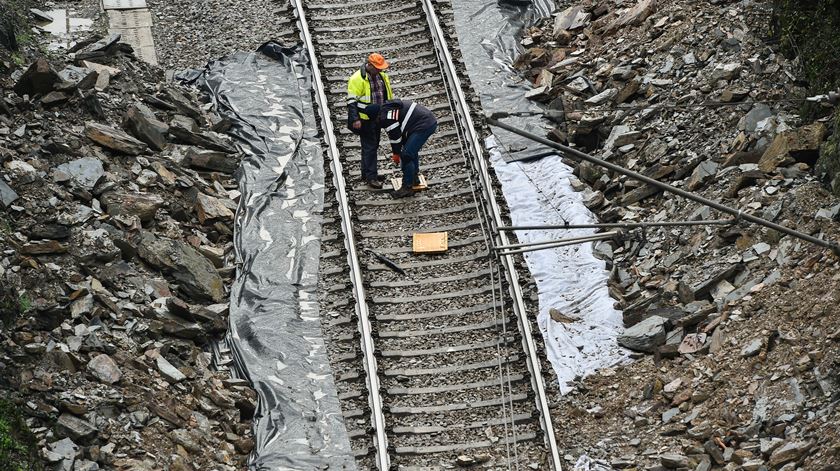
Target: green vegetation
x=24, y=303
x=18, y=451
x=807, y=29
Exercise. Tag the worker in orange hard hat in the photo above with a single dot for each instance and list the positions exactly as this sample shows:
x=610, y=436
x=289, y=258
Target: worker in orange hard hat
x=368, y=85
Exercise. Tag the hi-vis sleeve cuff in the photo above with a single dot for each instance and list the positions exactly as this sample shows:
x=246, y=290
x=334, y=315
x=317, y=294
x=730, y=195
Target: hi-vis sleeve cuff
x=396, y=141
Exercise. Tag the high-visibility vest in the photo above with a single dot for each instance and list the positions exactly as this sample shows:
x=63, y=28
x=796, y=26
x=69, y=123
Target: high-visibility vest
x=358, y=90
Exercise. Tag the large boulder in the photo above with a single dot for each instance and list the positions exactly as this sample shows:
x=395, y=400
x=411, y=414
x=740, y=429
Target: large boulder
x=39, y=79
x=197, y=276
x=646, y=335
x=796, y=145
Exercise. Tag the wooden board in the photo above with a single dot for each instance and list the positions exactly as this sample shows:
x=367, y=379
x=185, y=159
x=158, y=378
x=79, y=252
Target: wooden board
x=430, y=242
x=397, y=183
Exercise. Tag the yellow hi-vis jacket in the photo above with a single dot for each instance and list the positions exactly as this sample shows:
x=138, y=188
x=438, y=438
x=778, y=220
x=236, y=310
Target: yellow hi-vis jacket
x=358, y=93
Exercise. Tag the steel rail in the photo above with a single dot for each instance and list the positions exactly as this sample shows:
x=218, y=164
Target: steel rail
x=377, y=417
x=466, y=122
x=739, y=214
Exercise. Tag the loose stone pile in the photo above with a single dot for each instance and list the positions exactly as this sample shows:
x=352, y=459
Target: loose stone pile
x=117, y=209
x=742, y=322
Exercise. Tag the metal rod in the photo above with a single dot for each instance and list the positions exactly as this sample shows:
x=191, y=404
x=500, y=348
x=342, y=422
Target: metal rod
x=465, y=121
x=622, y=225
x=546, y=247
x=377, y=417
x=589, y=238
x=666, y=187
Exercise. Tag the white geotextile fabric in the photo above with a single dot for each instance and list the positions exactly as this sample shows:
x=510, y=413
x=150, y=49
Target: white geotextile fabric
x=569, y=279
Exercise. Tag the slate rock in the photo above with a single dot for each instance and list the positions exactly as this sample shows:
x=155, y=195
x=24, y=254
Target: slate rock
x=142, y=205
x=209, y=208
x=196, y=275
x=211, y=160
x=758, y=113
x=752, y=348
x=114, y=139
x=54, y=98
x=184, y=131
x=105, y=369
x=646, y=335
x=79, y=430
x=169, y=372
x=7, y=194
x=674, y=460
x=788, y=452
x=39, y=79
x=80, y=78
x=104, y=47
x=45, y=247
x=702, y=174
x=183, y=103
x=145, y=127
x=49, y=231
x=62, y=454
x=725, y=71
x=632, y=16
x=796, y=145
x=85, y=172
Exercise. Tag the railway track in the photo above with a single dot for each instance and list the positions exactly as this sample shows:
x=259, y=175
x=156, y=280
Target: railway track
x=438, y=363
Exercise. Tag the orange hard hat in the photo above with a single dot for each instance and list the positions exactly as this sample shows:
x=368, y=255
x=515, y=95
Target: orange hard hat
x=378, y=61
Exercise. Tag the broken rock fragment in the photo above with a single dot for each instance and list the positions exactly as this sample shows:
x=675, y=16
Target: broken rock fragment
x=646, y=335
x=796, y=145
x=141, y=123
x=76, y=429
x=105, y=369
x=114, y=139
x=142, y=205
x=40, y=78
x=85, y=172
x=196, y=274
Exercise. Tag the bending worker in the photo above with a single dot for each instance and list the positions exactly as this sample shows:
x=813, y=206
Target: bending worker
x=368, y=85
x=409, y=125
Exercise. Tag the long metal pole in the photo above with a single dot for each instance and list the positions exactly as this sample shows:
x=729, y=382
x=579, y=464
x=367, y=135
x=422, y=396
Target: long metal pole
x=589, y=238
x=547, y=246
x=377, y=417
x=622, y=225
x=666, y=187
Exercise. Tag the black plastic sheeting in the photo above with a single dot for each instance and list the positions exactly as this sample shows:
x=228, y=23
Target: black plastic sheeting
x=275, y=332
x=488, y=33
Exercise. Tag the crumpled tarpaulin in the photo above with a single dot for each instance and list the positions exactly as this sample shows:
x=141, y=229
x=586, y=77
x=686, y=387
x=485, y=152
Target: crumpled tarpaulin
x=275, y=332
x=569, y=279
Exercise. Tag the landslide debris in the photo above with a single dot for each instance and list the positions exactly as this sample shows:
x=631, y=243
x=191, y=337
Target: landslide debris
x=735, y=328
x=117, y=258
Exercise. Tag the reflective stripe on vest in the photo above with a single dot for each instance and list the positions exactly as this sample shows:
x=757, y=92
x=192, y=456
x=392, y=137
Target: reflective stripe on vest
x=408, y=116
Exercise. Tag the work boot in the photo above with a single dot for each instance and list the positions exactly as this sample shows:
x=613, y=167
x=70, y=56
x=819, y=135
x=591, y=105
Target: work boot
x=375, y=184
x=403, y=192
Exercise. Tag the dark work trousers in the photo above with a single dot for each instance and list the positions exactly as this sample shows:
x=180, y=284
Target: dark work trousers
x=369, y=135
x=410, y=157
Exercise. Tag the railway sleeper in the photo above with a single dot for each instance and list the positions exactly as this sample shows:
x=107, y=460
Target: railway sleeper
x=461, y=447
x=429, y=429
